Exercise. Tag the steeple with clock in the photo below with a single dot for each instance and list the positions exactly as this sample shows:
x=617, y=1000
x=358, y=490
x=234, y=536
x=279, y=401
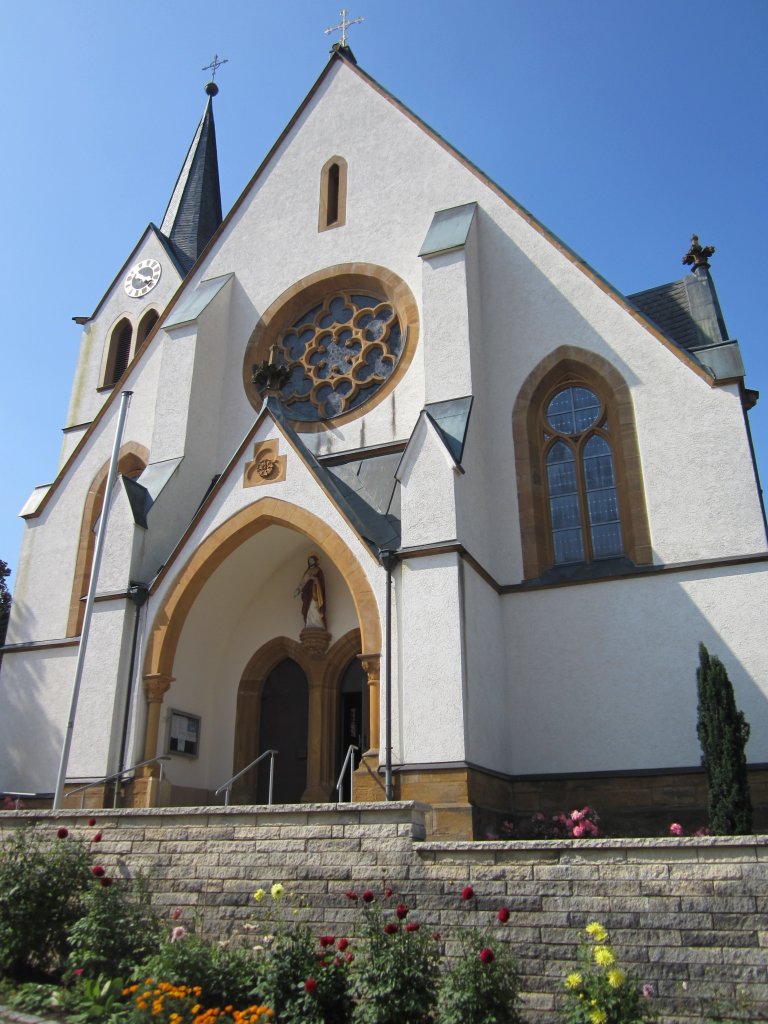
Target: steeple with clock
x=162, y=258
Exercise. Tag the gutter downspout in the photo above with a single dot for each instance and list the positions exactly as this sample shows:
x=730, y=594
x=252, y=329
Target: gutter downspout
x=388, y=560
x=138, y=594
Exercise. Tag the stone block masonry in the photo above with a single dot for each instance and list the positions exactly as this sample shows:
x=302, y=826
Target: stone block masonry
x=689, y=916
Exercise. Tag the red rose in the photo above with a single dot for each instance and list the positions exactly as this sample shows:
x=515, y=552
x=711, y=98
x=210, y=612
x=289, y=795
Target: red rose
x=106, y=882
x=327, y=940
x=62, y=833
x=390, y=929
x=176, y=914
x=467, y=892
x=342, y=944
x=97, y=871
x=91, y=822
x=349, y=957
x=368, y=896
x=412, y=926
x=310, y=985
x=504, y=915
x=351, y=895
x=96, y=838
x=387, y=893
x=401, y=911
x=486, y=955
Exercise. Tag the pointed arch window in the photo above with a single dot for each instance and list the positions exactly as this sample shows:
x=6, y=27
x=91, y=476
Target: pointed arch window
x=581, y=482
x=119, y=352
x=146, y=324
x=579, y=475
x=333, y=194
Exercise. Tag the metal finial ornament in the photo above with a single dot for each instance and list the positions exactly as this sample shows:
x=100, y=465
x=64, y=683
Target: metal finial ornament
x=698, y=255
x=343, y=26
x=215, y=64
x=270, y=375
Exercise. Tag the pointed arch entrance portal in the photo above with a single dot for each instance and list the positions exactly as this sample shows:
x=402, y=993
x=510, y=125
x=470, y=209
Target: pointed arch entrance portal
x=227, y=645
x=307, y=710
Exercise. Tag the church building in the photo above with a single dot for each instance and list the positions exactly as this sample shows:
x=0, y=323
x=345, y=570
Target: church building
x=398, y=472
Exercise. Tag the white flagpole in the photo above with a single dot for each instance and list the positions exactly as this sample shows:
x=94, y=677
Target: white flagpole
x=58, y=798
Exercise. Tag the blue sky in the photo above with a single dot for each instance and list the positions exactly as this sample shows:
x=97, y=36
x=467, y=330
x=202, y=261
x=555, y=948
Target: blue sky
x=623, y=127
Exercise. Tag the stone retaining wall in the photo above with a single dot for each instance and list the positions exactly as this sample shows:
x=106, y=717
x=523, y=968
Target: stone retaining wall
x=689, y=916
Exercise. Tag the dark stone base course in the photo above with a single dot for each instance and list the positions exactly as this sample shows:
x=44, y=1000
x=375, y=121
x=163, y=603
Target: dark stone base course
x=689, y=916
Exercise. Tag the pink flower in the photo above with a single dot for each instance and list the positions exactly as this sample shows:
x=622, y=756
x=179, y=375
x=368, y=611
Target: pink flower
x=676, y=829
x=649, y=991
x=412, y=926
x=577, y=815
x=578, y=831
x=486, y=955
x=91, y=822
x=178, y=933
x=342, y=944
x=106, y=881
x=401, y=911
x=78, y=971
x=368, y=896
x=467, y=892
x=703, y=831
x=98, y=871
x=176, y=914
x=62, y=833
x=349, y=957
x=310, y=985
x=390, y=929
x=503, y=915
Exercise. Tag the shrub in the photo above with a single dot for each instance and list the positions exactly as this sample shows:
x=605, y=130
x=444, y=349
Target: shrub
x=601, y=992
x=42, y=885
x=483, y=986
x=723, y=734
x=226, y=976
x=396, y=970
x=117, y=931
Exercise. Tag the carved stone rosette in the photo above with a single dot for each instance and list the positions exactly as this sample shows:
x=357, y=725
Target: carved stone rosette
x=315, y=641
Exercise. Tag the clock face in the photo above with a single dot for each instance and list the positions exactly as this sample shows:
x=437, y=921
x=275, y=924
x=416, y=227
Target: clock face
x=142, y=278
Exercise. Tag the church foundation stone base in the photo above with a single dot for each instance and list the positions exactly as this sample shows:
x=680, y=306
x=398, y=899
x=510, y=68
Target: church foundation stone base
x=686, y=915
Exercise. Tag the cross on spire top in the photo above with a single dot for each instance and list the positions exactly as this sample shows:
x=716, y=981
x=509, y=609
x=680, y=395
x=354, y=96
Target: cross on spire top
x=343, y=26
x=215, y=64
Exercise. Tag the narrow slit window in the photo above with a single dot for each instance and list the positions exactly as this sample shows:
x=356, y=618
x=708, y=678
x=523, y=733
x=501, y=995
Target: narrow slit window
x=333, y=194
x=119, y=352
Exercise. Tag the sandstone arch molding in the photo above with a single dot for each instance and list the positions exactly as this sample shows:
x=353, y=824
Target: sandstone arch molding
x=172, y=614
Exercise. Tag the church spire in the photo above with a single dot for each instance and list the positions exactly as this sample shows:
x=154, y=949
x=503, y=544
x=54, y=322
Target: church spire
x=194, y=212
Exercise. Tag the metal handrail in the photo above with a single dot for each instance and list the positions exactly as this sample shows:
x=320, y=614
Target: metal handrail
x=119, y=775
x=340, y=783
x=228, y=785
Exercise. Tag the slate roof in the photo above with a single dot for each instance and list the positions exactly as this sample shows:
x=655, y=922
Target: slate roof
x=687, y=311
x=194, y=212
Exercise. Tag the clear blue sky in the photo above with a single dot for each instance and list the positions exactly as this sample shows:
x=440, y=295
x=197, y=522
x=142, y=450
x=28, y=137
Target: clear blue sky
x=624, y=127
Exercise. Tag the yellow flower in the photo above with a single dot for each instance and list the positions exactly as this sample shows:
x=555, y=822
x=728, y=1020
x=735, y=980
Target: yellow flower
x=277, y=891
x=596, y=931
x=616, y=977
x=259, y=895
x=603, y=956
x=574, y=980
x=598, y=1017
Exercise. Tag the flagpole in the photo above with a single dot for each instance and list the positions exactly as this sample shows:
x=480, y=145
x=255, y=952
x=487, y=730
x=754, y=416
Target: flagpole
x=58, y=798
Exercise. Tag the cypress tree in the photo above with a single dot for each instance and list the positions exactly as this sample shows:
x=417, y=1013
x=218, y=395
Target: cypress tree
x=723, y=734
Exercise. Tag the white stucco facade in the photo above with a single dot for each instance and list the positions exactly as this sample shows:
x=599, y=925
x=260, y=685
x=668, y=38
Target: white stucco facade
x=494, y=666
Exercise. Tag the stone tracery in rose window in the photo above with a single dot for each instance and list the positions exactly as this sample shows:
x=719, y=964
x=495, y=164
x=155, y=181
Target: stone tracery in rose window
x=340, y=352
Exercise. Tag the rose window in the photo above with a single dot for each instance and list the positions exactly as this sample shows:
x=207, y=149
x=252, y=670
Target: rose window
x=339, y=353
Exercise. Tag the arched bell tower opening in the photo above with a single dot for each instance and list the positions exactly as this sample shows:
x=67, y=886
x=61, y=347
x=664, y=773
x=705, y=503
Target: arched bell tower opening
x=233, y=648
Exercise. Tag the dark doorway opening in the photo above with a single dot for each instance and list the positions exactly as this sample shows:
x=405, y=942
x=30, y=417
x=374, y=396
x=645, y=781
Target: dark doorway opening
x=353, y=727
x=283, y=727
